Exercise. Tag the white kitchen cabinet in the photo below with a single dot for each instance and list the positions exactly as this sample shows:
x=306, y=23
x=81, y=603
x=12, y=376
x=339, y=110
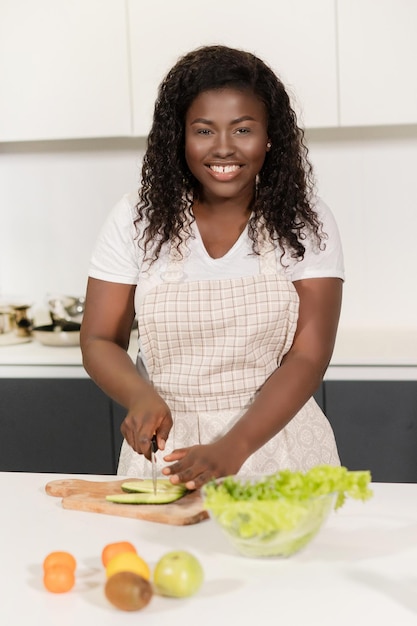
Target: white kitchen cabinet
x=296, y=37
x=377, y=62
x=63, y=69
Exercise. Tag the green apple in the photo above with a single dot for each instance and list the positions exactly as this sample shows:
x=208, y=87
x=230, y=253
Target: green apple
x=178, y=574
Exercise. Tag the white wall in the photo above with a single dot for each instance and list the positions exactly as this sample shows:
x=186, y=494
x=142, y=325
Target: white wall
x=368, y=177
x=54, y=197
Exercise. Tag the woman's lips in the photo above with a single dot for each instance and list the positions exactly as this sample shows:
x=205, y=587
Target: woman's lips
x=224, y=172
x=224, y=168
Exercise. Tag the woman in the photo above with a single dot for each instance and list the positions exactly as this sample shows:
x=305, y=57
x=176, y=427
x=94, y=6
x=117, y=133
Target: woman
x=234, y=270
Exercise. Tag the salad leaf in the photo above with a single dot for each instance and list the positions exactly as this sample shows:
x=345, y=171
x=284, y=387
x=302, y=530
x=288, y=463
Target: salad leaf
x=284, y=500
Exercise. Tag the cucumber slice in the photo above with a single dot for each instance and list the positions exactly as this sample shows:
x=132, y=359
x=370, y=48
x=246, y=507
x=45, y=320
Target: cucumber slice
x=146, y=498
x=146, y=486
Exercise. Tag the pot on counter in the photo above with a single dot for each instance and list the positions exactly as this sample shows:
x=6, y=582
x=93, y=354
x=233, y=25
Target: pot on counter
x=15, y=319
x=23, y=325
x=6, y=319
x=66, y=308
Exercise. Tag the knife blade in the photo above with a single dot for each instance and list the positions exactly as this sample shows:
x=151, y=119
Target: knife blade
x=154, y=449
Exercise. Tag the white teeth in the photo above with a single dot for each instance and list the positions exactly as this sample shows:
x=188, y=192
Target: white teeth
x=224, y=169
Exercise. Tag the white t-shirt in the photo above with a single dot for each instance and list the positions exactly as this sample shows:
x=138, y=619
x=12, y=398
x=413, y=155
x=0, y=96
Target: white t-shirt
x=118, y=258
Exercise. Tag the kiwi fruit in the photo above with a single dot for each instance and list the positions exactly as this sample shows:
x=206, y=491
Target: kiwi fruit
x=128, y=591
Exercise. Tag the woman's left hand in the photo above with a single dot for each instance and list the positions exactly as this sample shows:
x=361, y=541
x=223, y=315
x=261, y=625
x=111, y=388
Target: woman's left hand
x=199, y=464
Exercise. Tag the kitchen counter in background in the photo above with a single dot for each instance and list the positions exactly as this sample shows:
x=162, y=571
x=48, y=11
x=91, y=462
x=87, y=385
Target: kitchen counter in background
x=34, y=360
x=358, y=355
x=365, y=354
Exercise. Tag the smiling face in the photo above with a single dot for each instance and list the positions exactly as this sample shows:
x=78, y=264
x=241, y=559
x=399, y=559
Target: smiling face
x=226, y=143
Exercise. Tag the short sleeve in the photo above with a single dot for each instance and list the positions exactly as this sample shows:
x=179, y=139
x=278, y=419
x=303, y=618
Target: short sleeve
x=325, y=261
x=116, y=256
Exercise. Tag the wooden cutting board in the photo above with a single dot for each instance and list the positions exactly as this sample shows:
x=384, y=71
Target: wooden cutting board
x=87, y=495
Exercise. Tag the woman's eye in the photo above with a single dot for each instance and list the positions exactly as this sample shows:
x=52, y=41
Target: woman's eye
x=242, y=131
x=203, y=131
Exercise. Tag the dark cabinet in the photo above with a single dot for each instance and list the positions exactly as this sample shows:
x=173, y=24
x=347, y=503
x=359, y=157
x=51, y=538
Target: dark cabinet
x=71, y=426
x=118, y=415
x=319, y=396
x=56, y=425
x=375, y=425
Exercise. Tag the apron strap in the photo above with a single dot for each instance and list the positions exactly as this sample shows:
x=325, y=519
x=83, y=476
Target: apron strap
x=267, y=255
x=175, y=268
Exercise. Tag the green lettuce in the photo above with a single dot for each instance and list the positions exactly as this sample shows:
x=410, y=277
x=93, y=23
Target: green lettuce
x=283, y=501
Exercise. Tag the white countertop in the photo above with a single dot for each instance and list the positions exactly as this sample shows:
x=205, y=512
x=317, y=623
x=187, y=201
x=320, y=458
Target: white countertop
x=374, y=354
x=359, y=354
x=362, y=566
x=32, y=360
x=378, y=347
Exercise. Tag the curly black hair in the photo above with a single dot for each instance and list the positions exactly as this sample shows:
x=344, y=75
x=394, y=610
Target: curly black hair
x=286, y=182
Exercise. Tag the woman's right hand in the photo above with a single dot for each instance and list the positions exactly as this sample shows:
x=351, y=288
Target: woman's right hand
x=148, y=415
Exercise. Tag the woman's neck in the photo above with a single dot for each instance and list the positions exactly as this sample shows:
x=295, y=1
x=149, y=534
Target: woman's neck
x=220, y=225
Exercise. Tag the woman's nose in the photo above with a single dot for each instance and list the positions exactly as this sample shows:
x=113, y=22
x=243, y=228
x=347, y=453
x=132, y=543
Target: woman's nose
x=224, y=145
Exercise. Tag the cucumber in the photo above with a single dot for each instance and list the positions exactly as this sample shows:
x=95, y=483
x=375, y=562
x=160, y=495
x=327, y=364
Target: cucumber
x=146, y=498
x=146, y=486
x=141, y=492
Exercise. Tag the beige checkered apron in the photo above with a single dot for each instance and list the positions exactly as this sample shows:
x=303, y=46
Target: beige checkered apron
x=209, y=345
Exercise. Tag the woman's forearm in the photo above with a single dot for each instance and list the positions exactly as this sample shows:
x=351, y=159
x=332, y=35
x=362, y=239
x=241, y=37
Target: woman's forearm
x=277, y=402
x=112, y=369
x=105, y=335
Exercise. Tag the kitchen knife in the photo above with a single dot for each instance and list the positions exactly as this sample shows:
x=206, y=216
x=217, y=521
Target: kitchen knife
x=154, y=449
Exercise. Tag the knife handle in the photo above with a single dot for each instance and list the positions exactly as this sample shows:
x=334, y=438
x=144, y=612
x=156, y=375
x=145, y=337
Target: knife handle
x=154, y=444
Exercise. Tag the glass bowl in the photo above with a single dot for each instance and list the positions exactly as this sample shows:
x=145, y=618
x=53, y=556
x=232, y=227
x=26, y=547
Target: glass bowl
x=280, y=514
x=283, y=532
